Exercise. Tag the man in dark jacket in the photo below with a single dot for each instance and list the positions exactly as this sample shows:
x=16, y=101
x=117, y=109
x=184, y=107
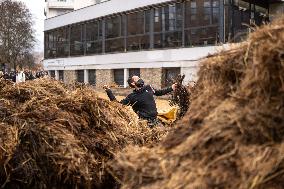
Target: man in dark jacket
x=142, y=98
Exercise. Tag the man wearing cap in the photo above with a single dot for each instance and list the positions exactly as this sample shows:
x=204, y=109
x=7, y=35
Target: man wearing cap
x=142, y=99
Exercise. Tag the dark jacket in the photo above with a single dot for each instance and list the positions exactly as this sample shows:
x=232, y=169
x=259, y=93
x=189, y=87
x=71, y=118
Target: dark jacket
x=142, y=101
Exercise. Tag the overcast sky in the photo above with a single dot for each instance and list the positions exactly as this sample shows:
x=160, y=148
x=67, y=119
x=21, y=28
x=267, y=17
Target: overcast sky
x=37, y=9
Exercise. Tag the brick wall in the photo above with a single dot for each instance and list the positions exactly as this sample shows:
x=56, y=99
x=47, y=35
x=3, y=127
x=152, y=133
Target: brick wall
x=152, y=76
x=104, y=77
x=69, y=76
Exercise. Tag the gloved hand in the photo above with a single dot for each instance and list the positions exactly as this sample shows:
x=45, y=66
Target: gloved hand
x=174, y=86
x=106, y=87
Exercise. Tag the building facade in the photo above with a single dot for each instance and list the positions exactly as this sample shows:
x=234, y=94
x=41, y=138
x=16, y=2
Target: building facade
x=58, y=7
x=107, y=42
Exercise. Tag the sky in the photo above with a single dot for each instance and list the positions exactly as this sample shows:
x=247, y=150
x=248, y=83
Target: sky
x=37, y=9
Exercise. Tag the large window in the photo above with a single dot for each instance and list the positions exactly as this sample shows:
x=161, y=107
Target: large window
x=201, y=22
x=56, y=43
x=244, y=14
x=62, y=42
x=50, y=44
x=138, y=30
x=61, y=75
x=114, y=34
x=168, y=26
x=94, y=37
x=76, y=40
x=169, y=75
x=92, y=77
x=80, y=76
x=118, y=76
x=52, y=73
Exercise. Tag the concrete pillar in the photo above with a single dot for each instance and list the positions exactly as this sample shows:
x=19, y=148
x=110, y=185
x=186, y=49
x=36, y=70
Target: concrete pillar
x=86, y=76
x=126, y=75
x=57, y=74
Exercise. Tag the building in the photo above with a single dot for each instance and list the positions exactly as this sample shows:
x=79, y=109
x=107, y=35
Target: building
x=58, y=7
x=276, y=8
x=157, y=39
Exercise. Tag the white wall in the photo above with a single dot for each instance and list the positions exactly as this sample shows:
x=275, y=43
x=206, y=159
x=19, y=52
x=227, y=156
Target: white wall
x=54, y=8
x=55, y=12
x=78, y=4
x=95, y=11
x=183, y=57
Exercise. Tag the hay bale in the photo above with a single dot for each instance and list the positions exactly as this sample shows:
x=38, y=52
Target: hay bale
x=8, y=143
x=62, y=137
x=232, y=135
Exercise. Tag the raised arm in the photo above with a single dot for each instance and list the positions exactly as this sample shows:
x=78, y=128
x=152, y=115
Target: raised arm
x=164, y=91
x=125, y=101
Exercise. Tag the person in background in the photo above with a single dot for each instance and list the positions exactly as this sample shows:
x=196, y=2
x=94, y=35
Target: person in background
x=142, y=99
x=20, y=77
x=13, y=75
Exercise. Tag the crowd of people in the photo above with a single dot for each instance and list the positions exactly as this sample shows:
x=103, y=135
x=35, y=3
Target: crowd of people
x=21, y=76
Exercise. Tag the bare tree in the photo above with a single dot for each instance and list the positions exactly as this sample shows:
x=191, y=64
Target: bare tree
x=16, y=32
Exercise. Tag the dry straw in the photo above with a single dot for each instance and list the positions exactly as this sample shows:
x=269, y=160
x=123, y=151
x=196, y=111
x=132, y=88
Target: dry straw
x=54, y=136
x=232, y=136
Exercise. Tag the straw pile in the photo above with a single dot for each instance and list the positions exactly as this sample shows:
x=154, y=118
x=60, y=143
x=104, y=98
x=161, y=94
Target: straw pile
x=232, y=135
x=55, y=137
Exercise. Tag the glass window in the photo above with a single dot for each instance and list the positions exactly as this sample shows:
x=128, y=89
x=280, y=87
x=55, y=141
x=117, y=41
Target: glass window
x=114, y=34
x=201, y=36
x=169, y=74
x=62, y=42
x=204, y=14
x=158, y=19
x=94, y=37
x=80, y=76
x=51, y=44
x=46, y=45
x=76, y=40
x=168, y=26
x=92, y=77
x=138, y=42
x=147, y=20
x=61, y=75
x=113, y=27
x=215, y=12
x=138, y=24
x=193, y=4
x=52, y=73
x=215, y=3
x=201, y=22
x=206, y=3
x=119, y=76
x=114, y=45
